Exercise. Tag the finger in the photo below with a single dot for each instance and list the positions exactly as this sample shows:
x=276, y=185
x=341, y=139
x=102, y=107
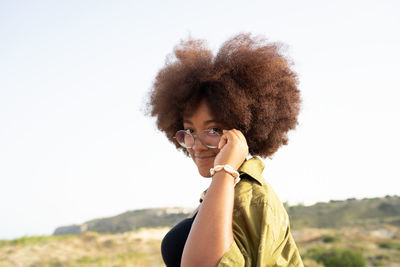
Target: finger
x=239, y=135
x=222, y=141
x=240, y=138
x=230, y=136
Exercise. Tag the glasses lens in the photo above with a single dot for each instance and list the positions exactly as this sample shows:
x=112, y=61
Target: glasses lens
x=184, y=138
x=210, y=138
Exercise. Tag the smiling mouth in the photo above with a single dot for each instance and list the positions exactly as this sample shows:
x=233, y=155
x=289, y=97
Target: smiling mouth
x=204, y=158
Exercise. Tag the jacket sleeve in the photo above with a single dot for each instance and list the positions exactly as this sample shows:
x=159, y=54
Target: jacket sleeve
x=251, y=238
x=233, y=257
x=261, y=236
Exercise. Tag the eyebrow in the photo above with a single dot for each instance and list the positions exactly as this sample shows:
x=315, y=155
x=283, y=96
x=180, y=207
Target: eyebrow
x=205, y=123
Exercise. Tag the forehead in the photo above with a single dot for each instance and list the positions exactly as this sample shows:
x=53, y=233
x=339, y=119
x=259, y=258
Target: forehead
x=201, y=113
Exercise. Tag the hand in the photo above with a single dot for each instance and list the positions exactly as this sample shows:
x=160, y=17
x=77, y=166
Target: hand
x=233, y=149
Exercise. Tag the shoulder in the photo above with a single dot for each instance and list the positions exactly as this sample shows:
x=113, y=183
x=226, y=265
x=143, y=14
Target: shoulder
x=257, y=209
x=260, y=204
x=258, y=192
x=253, y=190
x=261, y=226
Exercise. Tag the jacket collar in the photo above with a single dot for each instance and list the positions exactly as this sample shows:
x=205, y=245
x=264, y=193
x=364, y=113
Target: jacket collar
x=253, y=168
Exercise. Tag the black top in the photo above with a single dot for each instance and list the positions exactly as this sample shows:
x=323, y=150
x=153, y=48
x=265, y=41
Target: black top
x=174, y=241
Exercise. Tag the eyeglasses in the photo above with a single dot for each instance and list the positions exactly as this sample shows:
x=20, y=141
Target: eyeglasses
x=210, y=138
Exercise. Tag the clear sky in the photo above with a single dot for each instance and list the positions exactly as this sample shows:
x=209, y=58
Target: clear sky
x=75, y=145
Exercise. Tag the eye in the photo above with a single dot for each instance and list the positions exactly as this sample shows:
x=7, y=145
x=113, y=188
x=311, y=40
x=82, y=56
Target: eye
x=216, y=130
x=189, y=130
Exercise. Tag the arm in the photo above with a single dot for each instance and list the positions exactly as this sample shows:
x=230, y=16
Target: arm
x=194, y=212
x=211, y=234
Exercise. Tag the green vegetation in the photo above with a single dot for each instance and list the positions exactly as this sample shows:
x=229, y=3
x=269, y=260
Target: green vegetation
x=129, y=221
x=135, y=248
x=336, y=213
x=350, y=212
x=391, y=244
x=330, y=239
x=348, y=246
x=337, y=257
x=33, y=239
x=339, y=233
x=132, y=220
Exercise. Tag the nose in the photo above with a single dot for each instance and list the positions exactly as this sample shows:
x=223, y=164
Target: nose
x=198, y=145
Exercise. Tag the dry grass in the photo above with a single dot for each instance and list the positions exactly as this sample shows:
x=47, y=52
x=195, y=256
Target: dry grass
x=138, y=248
x=380, y=246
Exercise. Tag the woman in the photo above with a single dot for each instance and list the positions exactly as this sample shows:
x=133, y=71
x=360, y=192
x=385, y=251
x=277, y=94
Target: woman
x=218, y=110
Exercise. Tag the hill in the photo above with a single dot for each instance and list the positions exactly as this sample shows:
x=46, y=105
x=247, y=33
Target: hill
x=350, y=212
x=348, y=246
x=333, y=214
x=129, y=221
x=365, y=231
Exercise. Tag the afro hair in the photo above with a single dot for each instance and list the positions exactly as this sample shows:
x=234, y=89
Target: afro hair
x=248, y=84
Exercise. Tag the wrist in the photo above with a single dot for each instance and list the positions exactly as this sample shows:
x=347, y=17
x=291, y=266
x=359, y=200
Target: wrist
x=224, y=178
x=226, y=169
x=235, y=163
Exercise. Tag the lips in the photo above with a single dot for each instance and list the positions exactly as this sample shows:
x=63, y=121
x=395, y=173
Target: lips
x=203, y=159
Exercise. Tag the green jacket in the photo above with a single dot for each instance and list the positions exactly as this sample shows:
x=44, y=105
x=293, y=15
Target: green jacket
x=261, y=226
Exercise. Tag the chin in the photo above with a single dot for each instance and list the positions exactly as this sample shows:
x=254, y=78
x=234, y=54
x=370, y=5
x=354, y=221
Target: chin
x=205, y=172
x=204, y=163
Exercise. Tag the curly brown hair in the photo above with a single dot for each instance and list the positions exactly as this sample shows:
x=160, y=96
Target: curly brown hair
x=248, y=86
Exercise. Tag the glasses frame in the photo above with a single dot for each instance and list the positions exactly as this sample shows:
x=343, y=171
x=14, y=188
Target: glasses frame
x=196, y=135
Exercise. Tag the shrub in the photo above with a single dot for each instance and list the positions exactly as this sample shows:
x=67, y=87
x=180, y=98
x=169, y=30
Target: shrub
x=330, y=239
x=337, y=257
x=390, y=245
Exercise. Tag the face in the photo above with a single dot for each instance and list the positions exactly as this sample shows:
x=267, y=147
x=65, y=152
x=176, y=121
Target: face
x=201, y=120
